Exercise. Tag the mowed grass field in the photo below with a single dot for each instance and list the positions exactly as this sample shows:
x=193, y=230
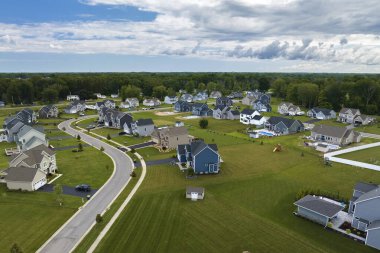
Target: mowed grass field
x=370, y=155
x=248, y=206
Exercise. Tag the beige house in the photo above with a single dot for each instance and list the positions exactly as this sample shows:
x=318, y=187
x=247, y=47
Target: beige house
x=40, y=157
x=170, y=137
x=24, y=178
x=248, y=100
x=335, y=135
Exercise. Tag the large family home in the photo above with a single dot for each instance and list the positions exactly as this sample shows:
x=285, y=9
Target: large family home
x=365, y=210
x=187, y=97
x=72, y=97
x=286, y=108
x=170, y=137
x=335, y=135
x=183, y=106
x=247, y=115
x=215, y=94
x=203, y=158
x=40, y=157
x=114, y=95
x=223, y=101
x=99, y=95
x=284, y=126
x=261, y=106
x=142, y=127
x=321, y=113
x=24, y=178
x=318, y=209
x=26, y=116
x=151, y=102
x=115, y=119
x=170, y=100
x=248, y=100
x=75, y=107
x=199, y=109
x=106, y=103
x=48, y=111
x=225, y=112
x=236, y=94
x=353, y=116
x=28, y=137
x=130, y=103
x=200, y=96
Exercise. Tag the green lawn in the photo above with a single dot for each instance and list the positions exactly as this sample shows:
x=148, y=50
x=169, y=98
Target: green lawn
x=151, y=154
x=371, y=155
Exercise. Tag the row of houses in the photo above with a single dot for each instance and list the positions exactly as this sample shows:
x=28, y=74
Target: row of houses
x=363, y=211
x=259, y=101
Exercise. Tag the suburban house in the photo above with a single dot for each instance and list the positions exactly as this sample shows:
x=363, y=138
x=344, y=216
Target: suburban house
x=225, y=112
x=28, y=137
x=170, y=100
x=3, y=135
x=187, y=97
x=321, y=113
x=11, y=129
x=151, y=102
x=247, y=115
x=261, y=106
x=115, y=119
x=318, y=209
x=223, y=101
x=40, y=157
x=100, y=96
x=183, y=106
x=235, y=94
x=215, y=94
x=365, y=210
x=142, y=127
x=72, y=97
x=203, y=158
x=48, y=111
x=347, y=115
x=335, y=135
x=248, y=100
x=114, y=95
x=200, y=109
x=200, y=96
x=2, y=104
x=195, y=193
x=170, y=137
x=106, y=103
x=284, y=126
x=24, y=178
x=286, y=108
x=75, y=107
x=130, y=103
x=26, y=116
x=262, y=101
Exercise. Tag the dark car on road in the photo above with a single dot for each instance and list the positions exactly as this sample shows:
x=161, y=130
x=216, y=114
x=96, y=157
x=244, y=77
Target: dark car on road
x=83, y=188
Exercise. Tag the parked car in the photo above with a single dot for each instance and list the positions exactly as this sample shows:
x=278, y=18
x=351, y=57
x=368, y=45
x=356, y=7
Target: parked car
x=90, y=126
x=83, y=188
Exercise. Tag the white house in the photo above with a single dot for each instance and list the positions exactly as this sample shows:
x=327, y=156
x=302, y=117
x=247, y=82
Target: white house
x=170, y=100
x=72, y=97
x=151, y=102
x=247, y=115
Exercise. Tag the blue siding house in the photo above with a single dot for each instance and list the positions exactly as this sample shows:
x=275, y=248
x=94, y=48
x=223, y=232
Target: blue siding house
x=202, y=110
x=183, y=106
x=203, y=158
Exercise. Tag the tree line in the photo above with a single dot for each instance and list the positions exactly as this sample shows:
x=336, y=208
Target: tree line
x=309, y=90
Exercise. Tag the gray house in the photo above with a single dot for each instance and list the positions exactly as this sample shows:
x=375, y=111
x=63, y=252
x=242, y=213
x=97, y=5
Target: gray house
x=142, y=127
x=347, y=115
x=48, y=111
x=223, y=101
x=318, y=209
x=321, y=113
x=225, y=112
x=365, y=209
x=284, y=126
x=335, y=135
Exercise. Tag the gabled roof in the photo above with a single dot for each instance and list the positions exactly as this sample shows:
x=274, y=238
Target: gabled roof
x=173, y=131
x=369, y=195
x=36, y=154
x=285, y=103
x=345, y=110
x=144, y=122
x=198, y=145
x=26, y=129
x=235, y=112
x=131, y=100
x=247, y=111
x=190, y=189
x=365, y=187
x=274, y=120
x=323, y=110
x=182, y=148
x=23, y=174
x=320, y=206
x=334, y=131
x=257, y=117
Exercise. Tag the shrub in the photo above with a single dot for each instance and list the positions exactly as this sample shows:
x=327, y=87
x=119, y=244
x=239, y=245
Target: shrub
x=101, y=149
x=15, y=248
x=64, y=128
x=133, y=174
x=108, y=137
x=261, y=143
x=329, y=225
x=302, y=154
x=133, y=150
x=203, y=123
x=99, y=218
x=190, y=172
x=80, y=147
x=348, y=231
x=78, y=137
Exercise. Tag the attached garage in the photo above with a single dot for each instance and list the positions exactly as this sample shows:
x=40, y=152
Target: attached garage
x=24, y=178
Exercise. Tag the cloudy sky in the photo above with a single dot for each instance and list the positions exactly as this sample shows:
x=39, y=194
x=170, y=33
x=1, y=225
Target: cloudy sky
x=190, y=35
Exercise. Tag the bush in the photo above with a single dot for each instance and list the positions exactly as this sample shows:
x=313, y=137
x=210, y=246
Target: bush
x=348, y=231
x=133, y=150
x=133, y=173
x=64, y=128
x=329, y=224
x=190, y=172
x=99, y=218
x=101, y=149
x=108, y=137
x=203, y=123
x=15, y=248
x=80, y=147
x=78, y=137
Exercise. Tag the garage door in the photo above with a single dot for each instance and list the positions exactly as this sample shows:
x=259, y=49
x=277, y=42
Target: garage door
x=39, y=184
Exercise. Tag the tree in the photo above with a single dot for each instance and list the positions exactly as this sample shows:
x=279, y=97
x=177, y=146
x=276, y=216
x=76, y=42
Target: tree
x=80, y=147
x=322, y=100
x=279, y=87
x=78, y=137
x=159, y=92
x=129, y=92
x=50, y=95
x=203, y=123
x=15, y=248
x=99, y=218
x=264, y=83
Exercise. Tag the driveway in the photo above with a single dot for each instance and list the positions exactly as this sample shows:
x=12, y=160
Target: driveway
x=67, y=190
x=159, y=162
x=142, y=145
x=72, y=232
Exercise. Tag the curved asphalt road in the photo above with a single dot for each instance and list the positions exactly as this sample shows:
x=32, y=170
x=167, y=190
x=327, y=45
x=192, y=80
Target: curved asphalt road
x=72, y=232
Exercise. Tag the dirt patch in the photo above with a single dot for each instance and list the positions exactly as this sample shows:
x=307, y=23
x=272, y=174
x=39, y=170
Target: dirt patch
x=164, y=113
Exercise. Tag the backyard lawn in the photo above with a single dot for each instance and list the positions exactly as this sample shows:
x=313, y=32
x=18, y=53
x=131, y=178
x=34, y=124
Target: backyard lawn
x=370, y=155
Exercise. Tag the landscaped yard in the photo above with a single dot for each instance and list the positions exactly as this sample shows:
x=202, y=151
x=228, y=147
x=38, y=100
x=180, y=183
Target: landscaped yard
x=370, y=155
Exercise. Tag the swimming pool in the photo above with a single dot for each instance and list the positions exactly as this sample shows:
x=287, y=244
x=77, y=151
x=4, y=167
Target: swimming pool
x=266, y=133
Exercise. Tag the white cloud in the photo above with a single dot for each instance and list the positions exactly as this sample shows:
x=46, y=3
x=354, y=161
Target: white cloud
x=325, y=31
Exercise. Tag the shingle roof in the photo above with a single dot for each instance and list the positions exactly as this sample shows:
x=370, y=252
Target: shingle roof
x=144, y=122
x=247, y=111
x=374, y=225
x=199, y=145
x=257, y=117
x=182, y=148
x=190, y=189
x=335, y=131
x=369, y=195
x=365, y=187
x=323, y=110
x=21, y=173
x=345, y=110
x=274, y=120
x=35, y=155
x=319, y=206
x=235, y=112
